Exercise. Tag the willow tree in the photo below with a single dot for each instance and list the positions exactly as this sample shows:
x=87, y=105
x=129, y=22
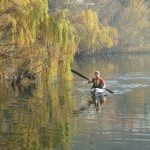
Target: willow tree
x=34, y=40
x=92, y=34
x=61, y=41
x=20, y=42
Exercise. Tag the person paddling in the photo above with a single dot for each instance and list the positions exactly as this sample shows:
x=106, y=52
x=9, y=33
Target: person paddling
x=98, y=82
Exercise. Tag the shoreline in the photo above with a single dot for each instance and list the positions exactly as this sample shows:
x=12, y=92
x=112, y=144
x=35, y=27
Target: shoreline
x=109, y=54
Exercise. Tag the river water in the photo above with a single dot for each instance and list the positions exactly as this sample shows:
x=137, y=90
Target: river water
x=59, y=117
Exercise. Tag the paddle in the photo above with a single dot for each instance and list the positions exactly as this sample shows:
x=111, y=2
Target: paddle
x=88, y=79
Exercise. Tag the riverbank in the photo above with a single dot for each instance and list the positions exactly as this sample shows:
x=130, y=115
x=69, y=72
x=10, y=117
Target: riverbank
x=109, y=54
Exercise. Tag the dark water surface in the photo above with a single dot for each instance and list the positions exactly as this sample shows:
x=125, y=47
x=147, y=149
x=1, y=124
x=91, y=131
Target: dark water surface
x=59, y=117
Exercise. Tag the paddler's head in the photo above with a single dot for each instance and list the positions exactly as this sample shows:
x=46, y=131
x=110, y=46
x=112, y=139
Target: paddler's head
x=97, y=74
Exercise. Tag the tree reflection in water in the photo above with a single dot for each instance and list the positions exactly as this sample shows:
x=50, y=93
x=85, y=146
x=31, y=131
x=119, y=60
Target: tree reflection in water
x=38, y=117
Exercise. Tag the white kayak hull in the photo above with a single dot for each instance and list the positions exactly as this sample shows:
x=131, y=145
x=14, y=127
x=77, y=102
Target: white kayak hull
x=97, y=95
x=98, y=90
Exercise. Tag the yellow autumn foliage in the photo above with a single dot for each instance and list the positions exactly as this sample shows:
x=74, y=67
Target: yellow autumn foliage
x=36, y=36
x=92, y=34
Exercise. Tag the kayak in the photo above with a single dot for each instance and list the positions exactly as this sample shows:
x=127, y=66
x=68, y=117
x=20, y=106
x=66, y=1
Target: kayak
x=96, y=95
x=98, y=90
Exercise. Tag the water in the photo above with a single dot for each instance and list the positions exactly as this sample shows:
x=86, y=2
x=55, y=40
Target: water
x=124, y=122
x=58, y=117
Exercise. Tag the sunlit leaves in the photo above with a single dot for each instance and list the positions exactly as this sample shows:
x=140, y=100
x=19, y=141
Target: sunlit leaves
x=132, y=25
x=93, y=35
x=28, y=28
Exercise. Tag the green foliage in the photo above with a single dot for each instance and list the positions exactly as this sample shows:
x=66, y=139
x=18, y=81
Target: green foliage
x=130, y=18
x=62, y=42
x=135, y=23
x=30, y=34
x=93, y=35
x=48, y=41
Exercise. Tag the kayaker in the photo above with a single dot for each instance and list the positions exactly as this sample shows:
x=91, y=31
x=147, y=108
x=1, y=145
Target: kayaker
x=98, y=82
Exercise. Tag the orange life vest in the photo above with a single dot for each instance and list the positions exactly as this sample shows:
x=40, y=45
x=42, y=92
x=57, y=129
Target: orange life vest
x=98, y=82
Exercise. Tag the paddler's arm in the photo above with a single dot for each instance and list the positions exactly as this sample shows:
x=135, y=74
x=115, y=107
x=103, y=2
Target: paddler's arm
x=103, y=83
x=104, y=86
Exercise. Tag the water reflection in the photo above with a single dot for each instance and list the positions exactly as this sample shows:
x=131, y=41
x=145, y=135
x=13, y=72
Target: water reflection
x=38, y=117
x=58, y=116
